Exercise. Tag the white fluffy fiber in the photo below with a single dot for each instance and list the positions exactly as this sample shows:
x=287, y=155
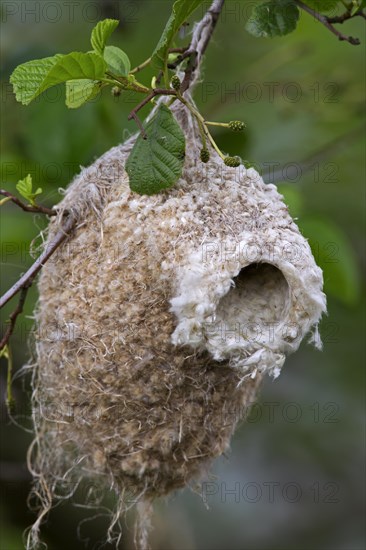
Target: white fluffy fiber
x=271, y=237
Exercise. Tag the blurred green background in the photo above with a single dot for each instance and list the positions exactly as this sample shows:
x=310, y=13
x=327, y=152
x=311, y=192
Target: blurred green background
x=295, y=476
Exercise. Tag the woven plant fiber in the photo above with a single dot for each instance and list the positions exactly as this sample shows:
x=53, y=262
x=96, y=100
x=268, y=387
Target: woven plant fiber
x=159, y=317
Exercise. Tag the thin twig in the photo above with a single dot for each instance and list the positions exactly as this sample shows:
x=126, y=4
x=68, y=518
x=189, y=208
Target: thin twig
x=141, y=66
x=183, y=49
x=134, y=115
x=328, y=22
x=13, y=317
x=155, y=92
x=27, y=279
x=346, y=16
x=26, y=207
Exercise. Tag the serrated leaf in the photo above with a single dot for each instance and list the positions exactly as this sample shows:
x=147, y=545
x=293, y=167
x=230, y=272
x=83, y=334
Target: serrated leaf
x=25, y=188
x=117, y=61
x=182, y=9
x=28, y=77
x=274, y=18
x=75, y=66
x=101, y=32
x=334, y=254
x=35, y=77
x=156, y=163
x=79, y=92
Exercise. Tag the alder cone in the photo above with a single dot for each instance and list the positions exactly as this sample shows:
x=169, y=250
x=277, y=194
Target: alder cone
x=159, y=317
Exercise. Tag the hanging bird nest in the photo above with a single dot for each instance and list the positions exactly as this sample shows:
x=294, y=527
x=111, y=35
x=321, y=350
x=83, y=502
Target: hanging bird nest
x=158, y=319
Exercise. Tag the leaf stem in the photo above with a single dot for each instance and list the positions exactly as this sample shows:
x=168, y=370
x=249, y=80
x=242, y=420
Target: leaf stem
x=223, y=124
x=215, y=146
x=112, y=82
x=201, y=124
x=134, y=115
x=126, y=84
x=141, y=66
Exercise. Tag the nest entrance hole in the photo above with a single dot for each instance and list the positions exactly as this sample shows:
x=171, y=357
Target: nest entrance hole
x=260, y=297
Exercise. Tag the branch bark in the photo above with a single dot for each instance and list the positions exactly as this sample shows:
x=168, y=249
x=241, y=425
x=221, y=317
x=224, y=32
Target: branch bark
x=201, y=37
x=328, y=22
x=13, y=317
x=26, y=207
x=26, y=280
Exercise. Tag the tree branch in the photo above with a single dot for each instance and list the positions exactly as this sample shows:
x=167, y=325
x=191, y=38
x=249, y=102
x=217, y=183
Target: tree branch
x=26, y=207
x=201, y=37
x=26, y=280
x=328, y=22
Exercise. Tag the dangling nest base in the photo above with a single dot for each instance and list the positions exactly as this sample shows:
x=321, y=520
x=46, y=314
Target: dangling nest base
x=158, y=319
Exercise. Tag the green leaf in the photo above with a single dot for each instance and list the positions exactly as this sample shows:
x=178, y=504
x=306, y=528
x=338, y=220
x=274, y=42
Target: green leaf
x=75, y=66
x=117, y=61
x=274, y=18
x=156, y=163
x=79, y=92
x=357, y=6
x=33, y=78
x=28, y=77
x=182, y=9
x=25, y=188
x=101, y=32
x=334, y=254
